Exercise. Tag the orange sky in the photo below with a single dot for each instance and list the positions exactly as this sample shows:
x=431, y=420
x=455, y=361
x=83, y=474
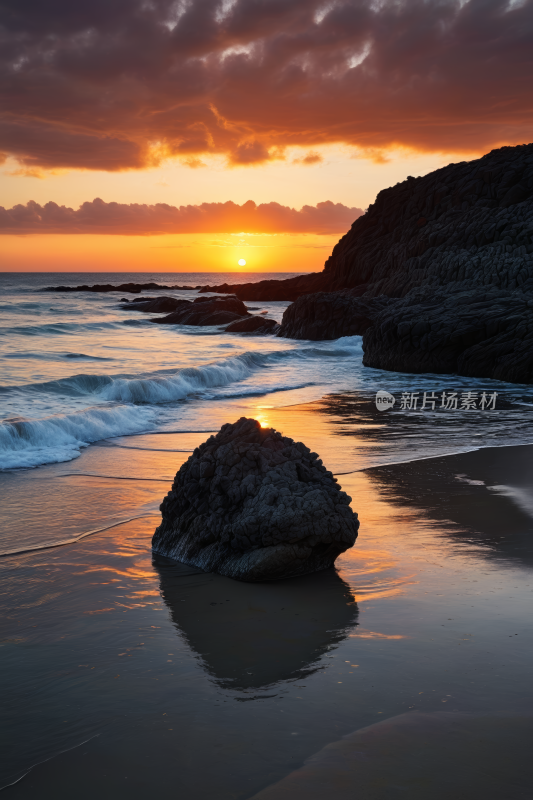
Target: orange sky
x=208, y=101
x=352, y=181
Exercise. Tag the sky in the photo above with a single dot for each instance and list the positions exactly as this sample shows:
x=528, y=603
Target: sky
x=185, y=135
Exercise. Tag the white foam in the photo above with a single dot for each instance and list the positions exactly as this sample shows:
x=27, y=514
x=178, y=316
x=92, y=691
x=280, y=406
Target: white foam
x=29, y=443
x=520, y=497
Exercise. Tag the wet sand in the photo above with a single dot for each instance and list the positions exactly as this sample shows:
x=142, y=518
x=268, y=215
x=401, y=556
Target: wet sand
x=125, y=674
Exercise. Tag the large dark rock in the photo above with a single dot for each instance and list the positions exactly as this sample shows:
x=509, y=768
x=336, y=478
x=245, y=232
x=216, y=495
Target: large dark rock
x=453, y=253
x=254, y=505
x=206, y=311
x=482, y=332
x=467, y=224
x=329, y=315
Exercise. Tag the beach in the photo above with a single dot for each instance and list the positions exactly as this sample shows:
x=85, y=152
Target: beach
x=129, y=671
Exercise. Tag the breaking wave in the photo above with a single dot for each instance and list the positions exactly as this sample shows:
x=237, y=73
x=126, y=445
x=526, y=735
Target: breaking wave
x=119, y=405
x=29, y=443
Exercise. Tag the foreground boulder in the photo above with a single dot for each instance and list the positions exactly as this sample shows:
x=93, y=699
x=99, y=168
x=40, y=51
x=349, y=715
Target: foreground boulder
x=254, y=505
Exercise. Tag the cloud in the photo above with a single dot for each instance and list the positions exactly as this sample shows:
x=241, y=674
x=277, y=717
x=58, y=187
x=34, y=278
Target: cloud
x=125, y=84
x=136, y=219
x=312, y=157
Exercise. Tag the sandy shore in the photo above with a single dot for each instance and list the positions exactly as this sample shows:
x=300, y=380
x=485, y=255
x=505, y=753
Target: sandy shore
x=125, y=674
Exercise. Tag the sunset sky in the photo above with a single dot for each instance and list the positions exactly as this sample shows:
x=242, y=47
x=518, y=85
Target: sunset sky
x=188, y=135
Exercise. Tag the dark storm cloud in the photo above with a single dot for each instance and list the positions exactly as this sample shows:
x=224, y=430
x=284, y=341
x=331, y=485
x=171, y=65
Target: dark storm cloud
x=124, y=83
x=140, y=219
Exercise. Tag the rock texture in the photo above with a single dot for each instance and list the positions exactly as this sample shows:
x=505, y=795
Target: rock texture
x=154, y=305
x=465, y=225
x=270, y=290
x=483, y=332
x=253, y=324
x=450, y=258
x=329, y=315
x=205, y=311
x=254, y=505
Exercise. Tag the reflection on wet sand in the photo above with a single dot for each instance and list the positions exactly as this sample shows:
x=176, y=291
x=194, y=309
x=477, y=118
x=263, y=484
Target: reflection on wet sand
x=482, y=499
x=253, y=635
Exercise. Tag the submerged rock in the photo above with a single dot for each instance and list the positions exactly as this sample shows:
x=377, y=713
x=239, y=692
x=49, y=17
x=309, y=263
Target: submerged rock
x=254, y=505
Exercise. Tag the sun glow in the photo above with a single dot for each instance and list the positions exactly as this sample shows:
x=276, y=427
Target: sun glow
x=241, y=262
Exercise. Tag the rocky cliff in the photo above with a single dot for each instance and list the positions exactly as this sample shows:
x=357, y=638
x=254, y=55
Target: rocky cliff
x=465, y=224
x=442, y=274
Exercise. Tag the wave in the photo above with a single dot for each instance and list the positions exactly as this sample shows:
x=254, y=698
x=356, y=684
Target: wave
x=166, y=386
x=51, y=356
x=29, y=443
x=57, y=328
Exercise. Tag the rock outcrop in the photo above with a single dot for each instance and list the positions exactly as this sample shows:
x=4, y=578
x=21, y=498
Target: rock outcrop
x=254, y=505
x=330, y=315
x=483, y=332
x=154, y=305
x=271, y=290
x=466, y=225
x=133, y=288
x=450, y=258
x=205, y=311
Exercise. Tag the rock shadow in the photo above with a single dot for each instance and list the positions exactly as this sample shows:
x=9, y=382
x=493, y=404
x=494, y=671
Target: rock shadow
x=254, y=635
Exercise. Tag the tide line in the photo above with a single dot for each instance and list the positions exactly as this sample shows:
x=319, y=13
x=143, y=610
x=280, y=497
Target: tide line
x=68, y=749
x=50, y=545
x=110, y=477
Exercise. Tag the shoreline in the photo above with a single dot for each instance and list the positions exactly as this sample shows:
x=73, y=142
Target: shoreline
x=158, y=658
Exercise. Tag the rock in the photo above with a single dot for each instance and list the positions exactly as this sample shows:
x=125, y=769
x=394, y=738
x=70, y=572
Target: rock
x=450, y=256
x=465, y=224
x=253, y=324
x=329, y=315
x=206, y=311
x=485, y=333
x=155, y=304
x=254, y=505
x=271, y=290
x=134, y=288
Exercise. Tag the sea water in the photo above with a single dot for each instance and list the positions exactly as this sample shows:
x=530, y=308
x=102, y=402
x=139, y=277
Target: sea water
x=77, y=369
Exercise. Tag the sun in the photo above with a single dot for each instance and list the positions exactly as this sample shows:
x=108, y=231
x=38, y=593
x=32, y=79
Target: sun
x=241, y=262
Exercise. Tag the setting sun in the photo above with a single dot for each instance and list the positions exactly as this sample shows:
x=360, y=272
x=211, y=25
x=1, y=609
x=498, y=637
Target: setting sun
x=241, y=262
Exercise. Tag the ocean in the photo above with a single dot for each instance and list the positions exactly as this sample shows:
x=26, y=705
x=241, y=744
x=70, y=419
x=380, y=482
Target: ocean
x=121, y=669
x=76, y=369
